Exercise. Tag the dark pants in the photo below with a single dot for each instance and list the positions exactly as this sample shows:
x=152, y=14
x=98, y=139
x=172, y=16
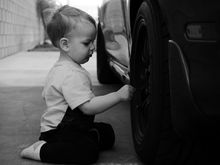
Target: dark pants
x=77, y=139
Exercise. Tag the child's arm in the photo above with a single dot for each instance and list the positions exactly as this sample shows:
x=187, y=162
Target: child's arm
x=100, y=104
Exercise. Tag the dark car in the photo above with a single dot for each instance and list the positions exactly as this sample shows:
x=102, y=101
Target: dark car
x=169, y=50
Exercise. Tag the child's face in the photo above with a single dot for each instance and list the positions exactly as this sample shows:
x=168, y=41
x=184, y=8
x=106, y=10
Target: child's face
x=81, y=42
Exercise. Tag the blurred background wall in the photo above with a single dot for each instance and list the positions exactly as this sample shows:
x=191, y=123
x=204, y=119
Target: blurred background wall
x=20, y=26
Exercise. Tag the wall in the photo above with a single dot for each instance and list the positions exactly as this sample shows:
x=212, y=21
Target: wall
x=20, y=28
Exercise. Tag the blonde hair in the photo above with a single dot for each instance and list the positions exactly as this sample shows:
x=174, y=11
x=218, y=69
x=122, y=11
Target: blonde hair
x=64, y=20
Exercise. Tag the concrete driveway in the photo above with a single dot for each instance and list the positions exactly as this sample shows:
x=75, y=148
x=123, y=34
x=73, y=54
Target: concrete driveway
x=21, y=81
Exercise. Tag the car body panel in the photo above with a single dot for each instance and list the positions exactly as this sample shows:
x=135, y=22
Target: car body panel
x=115, y=29
x=194, y=27
x=202, y=54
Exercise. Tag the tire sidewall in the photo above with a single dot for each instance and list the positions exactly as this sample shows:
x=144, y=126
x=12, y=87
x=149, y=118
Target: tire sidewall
x=148, y=147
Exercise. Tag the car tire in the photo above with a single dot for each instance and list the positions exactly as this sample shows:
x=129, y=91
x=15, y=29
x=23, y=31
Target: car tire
x=154, y=139
x=104, y=73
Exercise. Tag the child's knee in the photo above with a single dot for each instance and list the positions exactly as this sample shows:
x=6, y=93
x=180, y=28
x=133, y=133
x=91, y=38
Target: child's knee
x=107, y=135
x=110, y=134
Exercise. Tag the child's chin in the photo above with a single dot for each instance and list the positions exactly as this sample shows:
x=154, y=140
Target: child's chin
x=84, y=61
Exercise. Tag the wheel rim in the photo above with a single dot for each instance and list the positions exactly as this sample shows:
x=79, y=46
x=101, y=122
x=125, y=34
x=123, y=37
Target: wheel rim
x=141, y=102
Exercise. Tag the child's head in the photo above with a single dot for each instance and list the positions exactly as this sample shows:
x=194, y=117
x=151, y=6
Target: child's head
x=64, y=21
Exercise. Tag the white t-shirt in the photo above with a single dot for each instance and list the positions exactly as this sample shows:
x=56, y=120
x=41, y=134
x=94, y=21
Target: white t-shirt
x=67, y=84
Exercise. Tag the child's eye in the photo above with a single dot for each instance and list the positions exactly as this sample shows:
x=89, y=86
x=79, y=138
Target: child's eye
x=86, y=43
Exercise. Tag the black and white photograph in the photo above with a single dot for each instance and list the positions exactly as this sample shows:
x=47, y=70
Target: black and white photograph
x=110, y=82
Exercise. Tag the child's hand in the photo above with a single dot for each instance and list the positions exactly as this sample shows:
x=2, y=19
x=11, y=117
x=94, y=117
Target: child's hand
x=126, y=92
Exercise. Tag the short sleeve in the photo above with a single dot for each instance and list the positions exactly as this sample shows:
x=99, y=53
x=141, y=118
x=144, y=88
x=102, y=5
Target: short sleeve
x=76, y=89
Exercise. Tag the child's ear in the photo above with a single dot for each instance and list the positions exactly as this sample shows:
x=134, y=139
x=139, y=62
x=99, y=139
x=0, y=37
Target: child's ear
x=64, y=44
